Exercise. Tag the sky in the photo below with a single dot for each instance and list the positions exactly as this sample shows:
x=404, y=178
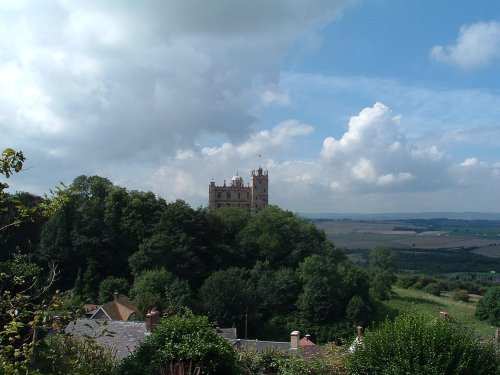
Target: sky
x=354, y=105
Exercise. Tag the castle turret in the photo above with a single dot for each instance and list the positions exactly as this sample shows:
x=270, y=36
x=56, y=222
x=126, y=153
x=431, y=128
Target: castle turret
x=260, y=193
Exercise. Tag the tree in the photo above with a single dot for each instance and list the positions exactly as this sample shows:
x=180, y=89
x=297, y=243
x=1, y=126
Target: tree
x=91, y=280
x=25, y=310
x=157, y=288
x=383, y=269
x=111, y=285
x=416, y=344
x=488, y=307
x=187, y=339
x=358, y=311
x=321, y=299
x=280, y=238
x=227, y=296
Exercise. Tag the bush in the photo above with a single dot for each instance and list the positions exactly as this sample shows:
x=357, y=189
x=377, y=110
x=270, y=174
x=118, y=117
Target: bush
x=65, y=354
x=433, y=288
x=460, y=295
x=415, y=344
x=178, y=339
x=488, y=307
x=273, y=361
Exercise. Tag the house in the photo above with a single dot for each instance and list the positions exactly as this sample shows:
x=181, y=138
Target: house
x=304, y=346
x=121, y=336
x=121, y=308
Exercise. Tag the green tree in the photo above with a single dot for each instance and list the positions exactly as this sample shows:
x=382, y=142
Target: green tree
x=280, y=238
x=419, y=345
x=227, y=296
x=176, y=339
x=184, y=242
x=358, y=311
x=91, y=280
x=488, y=307
x=383, y=269
x=157, y=288
x=110, y=285
x=321, y=299
x=25, y=311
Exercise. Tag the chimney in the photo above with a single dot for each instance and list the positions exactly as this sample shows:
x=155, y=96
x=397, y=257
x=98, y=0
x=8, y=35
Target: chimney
x=152, y=318
x=294, y=340
x=116, y=295
x=360, y=332
x=443, y=314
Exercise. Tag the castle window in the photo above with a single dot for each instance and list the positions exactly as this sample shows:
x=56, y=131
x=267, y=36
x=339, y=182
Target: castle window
x=239, y=197
x=218, y=205
x=228, y=204
x=260, y=182
x=248, y=195
x=219, y=194
x=228, y=195
x=264, y=190
x=238, y=205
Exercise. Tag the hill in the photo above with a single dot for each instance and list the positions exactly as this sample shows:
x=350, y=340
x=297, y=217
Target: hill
x=416, y=301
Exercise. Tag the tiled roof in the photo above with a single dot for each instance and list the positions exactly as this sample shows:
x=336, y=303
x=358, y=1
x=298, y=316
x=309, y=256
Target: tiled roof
x=121, y=308
x=123, y=339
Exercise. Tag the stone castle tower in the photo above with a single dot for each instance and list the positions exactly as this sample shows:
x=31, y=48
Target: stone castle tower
x=253, y=197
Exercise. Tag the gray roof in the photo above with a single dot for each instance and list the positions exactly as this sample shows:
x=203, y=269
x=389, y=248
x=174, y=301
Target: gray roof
x=259, y=345
x=228, y=333
x=121, y=336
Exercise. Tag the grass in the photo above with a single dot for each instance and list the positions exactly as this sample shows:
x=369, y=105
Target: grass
x=416, y=301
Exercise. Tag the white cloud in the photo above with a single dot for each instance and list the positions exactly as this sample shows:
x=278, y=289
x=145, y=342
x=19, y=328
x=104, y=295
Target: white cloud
x=270, y=97
x=375, y=167
x=470, y=162
x=110, y=83
x=477, y=46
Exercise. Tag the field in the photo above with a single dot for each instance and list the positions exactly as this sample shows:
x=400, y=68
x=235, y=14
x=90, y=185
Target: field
x=481, y=237
x=415, y=301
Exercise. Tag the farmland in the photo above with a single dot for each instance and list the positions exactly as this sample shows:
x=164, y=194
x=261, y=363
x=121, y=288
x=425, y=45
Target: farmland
x=421, y=234
x=433, y=246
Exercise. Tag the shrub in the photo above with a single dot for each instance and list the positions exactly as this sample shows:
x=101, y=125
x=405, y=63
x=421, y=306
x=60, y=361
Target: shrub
x=274, y=361
x=460, y=295
x=488, y=307
x=182, y=339
x=415, y=344
x=65, y=354
x=433, y=288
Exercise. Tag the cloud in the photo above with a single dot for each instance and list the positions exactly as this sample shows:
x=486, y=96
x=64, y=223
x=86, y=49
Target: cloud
x=373, y=166
x=110, y=82
x=374, y=154
x=477, y=46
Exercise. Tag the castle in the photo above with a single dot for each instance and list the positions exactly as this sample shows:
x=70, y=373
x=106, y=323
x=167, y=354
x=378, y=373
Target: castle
x=253, y=197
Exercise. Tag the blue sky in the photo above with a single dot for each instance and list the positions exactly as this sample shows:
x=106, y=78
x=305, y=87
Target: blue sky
x=355, y=106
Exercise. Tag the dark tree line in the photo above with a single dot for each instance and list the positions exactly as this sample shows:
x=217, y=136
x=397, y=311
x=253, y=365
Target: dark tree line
x=269, y=273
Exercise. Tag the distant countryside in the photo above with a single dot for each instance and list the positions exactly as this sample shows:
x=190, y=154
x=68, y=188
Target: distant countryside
x=423, y=245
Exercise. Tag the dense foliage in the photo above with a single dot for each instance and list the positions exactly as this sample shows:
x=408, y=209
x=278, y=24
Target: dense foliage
x=185, y=339
x=416, y=345
x=271, y=273
x=488, y=307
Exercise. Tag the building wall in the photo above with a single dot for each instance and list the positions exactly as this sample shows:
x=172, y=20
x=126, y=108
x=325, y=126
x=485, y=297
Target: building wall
x=253, y=197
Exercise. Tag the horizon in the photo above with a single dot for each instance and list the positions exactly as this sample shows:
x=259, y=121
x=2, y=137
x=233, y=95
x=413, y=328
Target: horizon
x=352, y=105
